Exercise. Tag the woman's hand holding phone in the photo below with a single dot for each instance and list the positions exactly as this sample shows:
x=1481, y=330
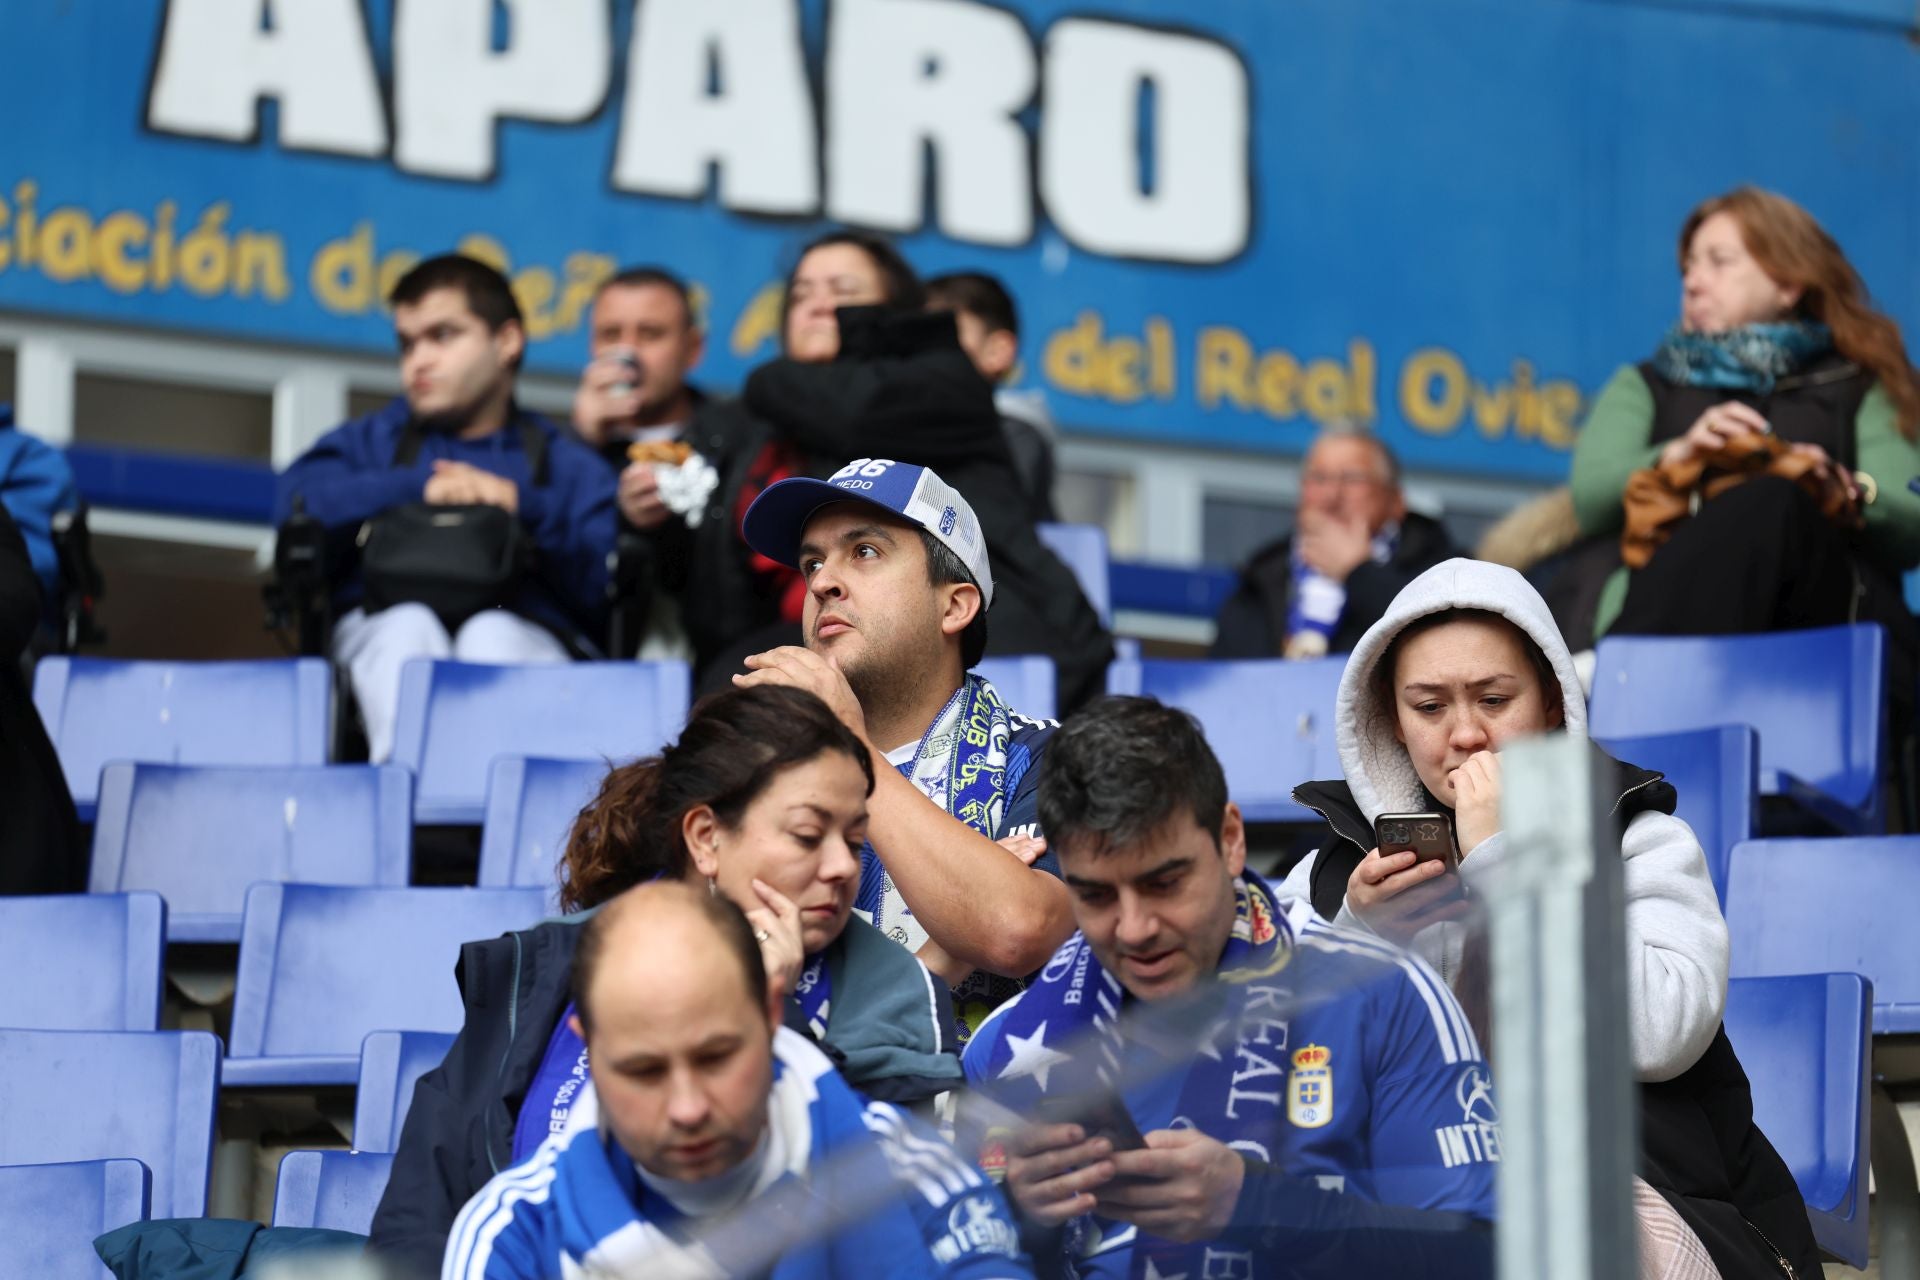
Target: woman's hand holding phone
x=1397, y=895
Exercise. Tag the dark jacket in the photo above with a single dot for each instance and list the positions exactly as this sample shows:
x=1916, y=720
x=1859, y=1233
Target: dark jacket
x=349, y=477
x=1253, y=621
x=459, y=1128
x=727, y=593
x=1031, y=448
x=1699, y=1145
x=40, y=848
x=903, y=389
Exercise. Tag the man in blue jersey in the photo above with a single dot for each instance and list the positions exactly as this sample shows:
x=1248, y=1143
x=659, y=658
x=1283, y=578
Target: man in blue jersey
x=898, y=588
x=716, y=1142
x=1300, y=1100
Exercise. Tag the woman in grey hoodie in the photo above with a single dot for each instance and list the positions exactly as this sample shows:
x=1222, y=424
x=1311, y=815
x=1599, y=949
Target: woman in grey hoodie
x=1466, y=659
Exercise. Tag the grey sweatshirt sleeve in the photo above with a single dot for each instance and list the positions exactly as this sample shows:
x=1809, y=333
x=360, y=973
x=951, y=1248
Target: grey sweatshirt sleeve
x=1677, y=948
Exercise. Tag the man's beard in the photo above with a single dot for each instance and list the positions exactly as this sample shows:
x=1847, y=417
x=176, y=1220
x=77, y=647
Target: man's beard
x=447, y=421
x=882, y=684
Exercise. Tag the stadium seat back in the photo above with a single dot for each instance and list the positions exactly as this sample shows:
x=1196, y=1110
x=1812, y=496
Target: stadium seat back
x=1270, y=721
x=321, y=966
x=1805, y=1042
x=98, y=710
x=1716, y=774
x=335, y=1190
x=201, y=834
x=531, y=806
x=105, y=1095
x=82, y=962
x=1083, y=547
x=1815, y=697
x=1027, y=683
x=50, y=1214
x=391, y=1063
x=455, y=718
x=1835, y=905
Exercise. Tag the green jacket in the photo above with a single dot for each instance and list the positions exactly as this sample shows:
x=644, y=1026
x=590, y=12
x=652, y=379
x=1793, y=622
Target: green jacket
x=1614, y=443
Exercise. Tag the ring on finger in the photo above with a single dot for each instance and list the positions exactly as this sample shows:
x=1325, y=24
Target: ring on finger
x=761, y=935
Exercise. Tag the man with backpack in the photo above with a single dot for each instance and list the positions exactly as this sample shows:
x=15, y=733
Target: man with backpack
x=458, y=524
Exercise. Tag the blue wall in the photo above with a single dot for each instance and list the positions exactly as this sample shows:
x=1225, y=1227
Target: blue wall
x=1459, y=216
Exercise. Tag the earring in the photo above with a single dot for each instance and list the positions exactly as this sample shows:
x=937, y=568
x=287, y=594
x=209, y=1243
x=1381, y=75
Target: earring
x=713, y=887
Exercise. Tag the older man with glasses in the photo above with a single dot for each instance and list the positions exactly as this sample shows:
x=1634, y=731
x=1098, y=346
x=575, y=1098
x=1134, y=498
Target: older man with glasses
x=1318, y=589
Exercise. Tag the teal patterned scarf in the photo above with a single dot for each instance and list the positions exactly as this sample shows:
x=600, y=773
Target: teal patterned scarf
x=1750, y=358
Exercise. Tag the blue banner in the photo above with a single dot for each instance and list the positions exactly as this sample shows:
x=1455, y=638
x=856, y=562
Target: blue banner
x=1224, y=223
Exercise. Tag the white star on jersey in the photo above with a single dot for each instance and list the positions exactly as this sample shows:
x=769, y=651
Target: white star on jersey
x=1154, y=1273
x=1031, y=1057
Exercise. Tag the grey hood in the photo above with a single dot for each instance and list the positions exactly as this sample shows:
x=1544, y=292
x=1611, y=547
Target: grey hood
x=1377, y=767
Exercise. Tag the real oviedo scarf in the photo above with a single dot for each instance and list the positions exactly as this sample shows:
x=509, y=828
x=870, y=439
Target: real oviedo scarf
x=1236, y=1085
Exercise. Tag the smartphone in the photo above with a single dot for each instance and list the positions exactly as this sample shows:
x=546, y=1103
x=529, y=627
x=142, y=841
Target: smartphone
x=1429, y=835
x=1100, y=1112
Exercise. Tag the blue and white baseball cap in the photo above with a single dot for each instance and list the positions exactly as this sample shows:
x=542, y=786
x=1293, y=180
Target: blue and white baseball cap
x=778, y=517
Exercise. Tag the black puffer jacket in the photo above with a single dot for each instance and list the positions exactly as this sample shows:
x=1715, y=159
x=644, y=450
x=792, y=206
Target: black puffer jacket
x=903, y=389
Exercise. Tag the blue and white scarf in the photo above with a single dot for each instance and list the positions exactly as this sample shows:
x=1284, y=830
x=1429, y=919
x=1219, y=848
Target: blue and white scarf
x=561, y=1078
x=813, y=991
x=1076, y=1002
x=1750, y=358
x=962, y=765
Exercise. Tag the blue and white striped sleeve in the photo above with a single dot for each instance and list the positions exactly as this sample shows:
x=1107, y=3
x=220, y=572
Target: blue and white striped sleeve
x=964, y=1221
x=501, y=1234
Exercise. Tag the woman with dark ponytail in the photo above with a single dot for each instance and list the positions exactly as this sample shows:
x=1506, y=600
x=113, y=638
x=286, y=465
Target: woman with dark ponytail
x=763, y=799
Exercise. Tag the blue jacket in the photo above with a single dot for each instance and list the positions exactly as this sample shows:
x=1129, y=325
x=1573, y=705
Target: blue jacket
x=349, y=477
x=35, y=482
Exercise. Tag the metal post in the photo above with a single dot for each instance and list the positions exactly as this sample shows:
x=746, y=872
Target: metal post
x=1562, y=1068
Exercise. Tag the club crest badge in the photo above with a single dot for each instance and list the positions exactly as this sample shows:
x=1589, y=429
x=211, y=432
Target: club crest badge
x=1259, y=919
x=1310, y=1087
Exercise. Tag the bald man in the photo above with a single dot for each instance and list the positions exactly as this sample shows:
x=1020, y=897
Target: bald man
x=713, y=1141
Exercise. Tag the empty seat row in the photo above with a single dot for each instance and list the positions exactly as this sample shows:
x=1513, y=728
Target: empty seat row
x=454, y=718
x=70, y=1173
x=199, y=836
x=319, y=968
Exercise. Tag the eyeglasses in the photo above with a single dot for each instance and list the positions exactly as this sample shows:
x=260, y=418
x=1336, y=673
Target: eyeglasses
x=1340, y=479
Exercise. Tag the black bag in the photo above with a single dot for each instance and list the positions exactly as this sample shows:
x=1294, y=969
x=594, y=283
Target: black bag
x=456, y=560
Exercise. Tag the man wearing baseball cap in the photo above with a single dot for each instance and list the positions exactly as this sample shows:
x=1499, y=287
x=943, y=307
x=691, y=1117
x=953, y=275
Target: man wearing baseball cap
x=898, y=588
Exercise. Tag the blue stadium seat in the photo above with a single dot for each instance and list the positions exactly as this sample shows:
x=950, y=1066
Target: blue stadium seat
x=337, y=1190
x=1815, y=697
x=1028, y=683
x=1084, y=549
x=98, y=710
x=50, y=1213
x=82, y=962
x=321, y=966
x=1271, y=722
x=201, y=834
x=531, y=805
x=1835, y=905
x=106, y=1095
x=1804, y=1041
x=391, y=1063
x=456, y=717
x=1717, y=775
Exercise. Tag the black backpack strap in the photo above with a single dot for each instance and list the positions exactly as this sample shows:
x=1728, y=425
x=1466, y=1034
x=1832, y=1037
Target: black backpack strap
x=532, y=440
x=407, y=451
